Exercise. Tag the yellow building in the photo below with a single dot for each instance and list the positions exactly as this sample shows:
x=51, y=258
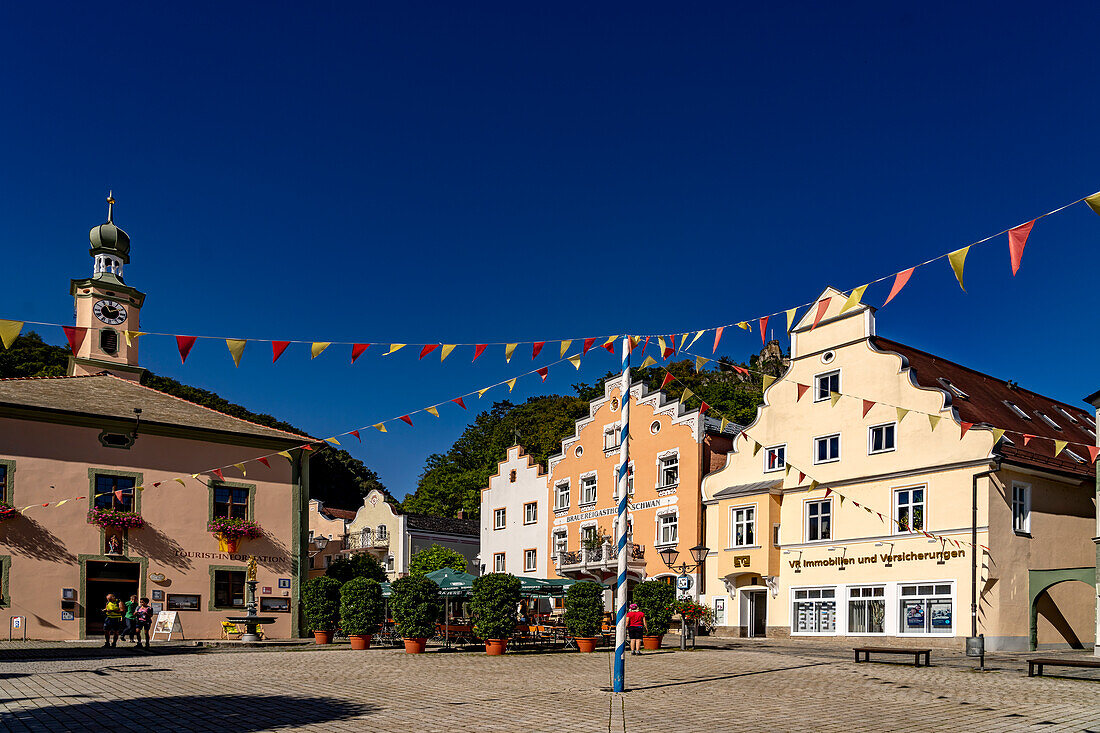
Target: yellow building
x=799, y=558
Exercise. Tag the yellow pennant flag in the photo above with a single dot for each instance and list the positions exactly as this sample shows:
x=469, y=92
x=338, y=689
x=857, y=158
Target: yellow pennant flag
x=700, y=362
x=481, y=392
x=686, y=395
x=1094, y=202
x=814, y=484
x=446, y=351
x=649, y=361
x=610, y=339
x=236, y=348
x=725, y=422
x=139, y=488
x=790, y=318
x=393, y=348
x=1059, y=446
x=933, y=420
x=756, y=448
x=788, y=473
x=768, y=380
x=998, y=433
x=564, y=348
x=694, y=340
x=318, y=347
x=195, y=475
x=512, y=383
x=957, y=259
x=661, y=343
x=334, y=441
x=902, y=412
x=432, y=410
x=575, y=361
x=132, y=336
x=833, y=397
x=10, y=329
x=744, y=325
x=380, y=427
x=508, y=350
x=240, y=467
x=855, y=298
x=61, y=502
x=285, y=454
x=634, y=341
x=179, y=481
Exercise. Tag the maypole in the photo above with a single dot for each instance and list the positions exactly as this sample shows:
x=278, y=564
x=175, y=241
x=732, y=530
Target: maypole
x=623, y=496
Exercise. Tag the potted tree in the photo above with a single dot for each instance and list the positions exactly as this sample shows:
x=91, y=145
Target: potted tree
x=415, y=603
x=493, y=607
x=360, y=610
x=321, y=604
x=657, y=601
x=584, y=613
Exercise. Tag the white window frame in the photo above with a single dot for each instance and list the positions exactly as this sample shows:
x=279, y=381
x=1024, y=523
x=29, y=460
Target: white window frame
x=1072, y=419
x=923, y=509
x=593, y=525
x=664, y=462
x=389, y=563
x=780, y=449
x=613, y=431
x=1019, y=411
x=871, y=438
x=500, y=564
x=940, y=596
x=560, y=540
x=527, y=519
x=827, y=437
x=561, y=489
x=1048, y=420
x=806, y=520
x=530, y=560
x=500, y=518
x=748, y=522
x=583, y=500
x=865, y=599
x=836, y=609
x=659, y=540
x=817, y=385
x=1021, y=497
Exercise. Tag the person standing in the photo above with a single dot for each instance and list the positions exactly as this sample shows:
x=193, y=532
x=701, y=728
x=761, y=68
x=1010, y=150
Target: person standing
x=636, y=625
x=143, y=620
x=129, y=628
x=112, y=623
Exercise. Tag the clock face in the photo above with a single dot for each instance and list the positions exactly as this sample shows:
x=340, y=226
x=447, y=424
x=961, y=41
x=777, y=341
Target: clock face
x=109, y=312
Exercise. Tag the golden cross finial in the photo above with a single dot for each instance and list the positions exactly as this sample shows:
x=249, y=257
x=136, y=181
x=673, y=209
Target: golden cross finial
x=110, y=207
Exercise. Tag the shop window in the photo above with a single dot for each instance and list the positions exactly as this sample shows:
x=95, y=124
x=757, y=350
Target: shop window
x=499, y=519
x=529, y=558
x=909, y=509
x=670, y=471
x=1021, y=508
x=867, y=610
x=498, y=562
x=668, y=529
x=114, y=492
x=230, y=502
x=588, y=490
x=827, y=448
x=561, y=541
x=825, y=384
x=814, y=611
x=561, y=495
x=819, y=525
x=530, y=512
x=229, y=588
x=742, y=526
x=775, y=458
x=926, y=609
x=881, y=438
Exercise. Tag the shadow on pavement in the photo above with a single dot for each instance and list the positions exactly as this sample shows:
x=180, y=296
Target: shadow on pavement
x=80, y=653
x=225, y=713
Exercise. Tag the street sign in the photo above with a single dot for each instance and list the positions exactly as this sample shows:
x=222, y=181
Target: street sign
x=684, y=582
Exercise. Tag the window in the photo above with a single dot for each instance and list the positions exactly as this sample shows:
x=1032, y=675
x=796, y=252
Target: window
x=498, y=518
x=880, y=438
x=1046, y=418
x=825, y=384
x=530, y=513
x=953, y=388
x=670, y=470
x=1016, y=409
x=814, y=611
x=389, y=563
x=588, y=489
x=742, y=526
x=667, y=529
x=561, y=495
x=512, y=476
x=655, y=427
x=4, y=484
x=775, y=535
x=114, y=492
x=275, y=605
x=230, y=502
x=630, y=480
x=909, y=508
x=383, y=533
x=529, y=561
x=561, y=541
x=229, y=588
x=498, y=562
x=926, y=609
x=610, y=438
x=328, y=561
x=867, y=610
x=588, y=534
x=1073, y=455
x=108, y=341
x=1021, y=508
x=1070, y=417
x=827, y=448
x=183, y=602
x=819, y=515
x=775, y=458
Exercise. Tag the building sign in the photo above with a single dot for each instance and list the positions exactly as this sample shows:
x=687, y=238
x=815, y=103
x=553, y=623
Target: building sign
x=611, y=510
x=884, y=557
x=273, y=559
x=741, y=561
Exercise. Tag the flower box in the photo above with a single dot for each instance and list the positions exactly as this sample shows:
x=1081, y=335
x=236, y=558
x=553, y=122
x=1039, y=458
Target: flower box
x=7, y=511
x=114, y=519
x=234, y=528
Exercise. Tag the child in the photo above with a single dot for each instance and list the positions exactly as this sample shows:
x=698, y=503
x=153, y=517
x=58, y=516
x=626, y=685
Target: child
x=143, y=619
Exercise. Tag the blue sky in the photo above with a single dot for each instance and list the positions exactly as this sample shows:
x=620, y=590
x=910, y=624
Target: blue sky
x=421, y=172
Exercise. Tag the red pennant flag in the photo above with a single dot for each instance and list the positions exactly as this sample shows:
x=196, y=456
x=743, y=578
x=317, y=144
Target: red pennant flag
x=703, y=408
x=75, y=337
x=184, y=343
x=741, y=370
x=763, y=328
x=801, y=477
x=277, y=349
x=672, y=340
x=802, y=390
x=668, y=378
x=307, y=446
x=48, y=503
x=428, y=348
x=406, y=418
x=118, y=495
x=479, y=350
x=1093, y=452
x=587, y=345
x=610, y=348
x=645, y=345
x=899, y=282
x=536, y=348
x=264, y=461
x=1017, y=238
x=828, y=491
x=543, y=373
x=218, y=472
x=356, y=434
x=821, y=308
x=458, y=401
x=1027, y=438
x=156, y=484
x=867, y=405
x=717, y=338
x=965, y=426
x=357, y=351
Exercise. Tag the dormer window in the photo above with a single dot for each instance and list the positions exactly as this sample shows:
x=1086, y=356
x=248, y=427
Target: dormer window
x=952, y=388
x=1069, y=417
x=1073, y=455
x=1048, y=421
x=1016, y=409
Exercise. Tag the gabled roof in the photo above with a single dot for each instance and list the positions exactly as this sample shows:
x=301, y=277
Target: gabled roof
x=986, y=400
x=338, y=513
x=444, y=525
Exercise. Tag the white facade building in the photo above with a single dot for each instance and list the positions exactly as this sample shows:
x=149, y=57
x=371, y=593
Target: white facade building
x=514, y=518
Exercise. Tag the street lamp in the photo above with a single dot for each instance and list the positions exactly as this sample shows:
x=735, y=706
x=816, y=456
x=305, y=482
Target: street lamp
x=320, y=542
x=669, y=555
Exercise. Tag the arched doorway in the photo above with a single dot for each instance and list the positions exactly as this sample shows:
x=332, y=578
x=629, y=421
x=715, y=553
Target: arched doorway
x=1054, y=605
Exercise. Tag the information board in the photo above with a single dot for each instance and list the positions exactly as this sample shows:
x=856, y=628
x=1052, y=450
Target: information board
x=167, y=622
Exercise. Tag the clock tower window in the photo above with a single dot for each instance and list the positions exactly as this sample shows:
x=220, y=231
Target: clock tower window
x=108, y=341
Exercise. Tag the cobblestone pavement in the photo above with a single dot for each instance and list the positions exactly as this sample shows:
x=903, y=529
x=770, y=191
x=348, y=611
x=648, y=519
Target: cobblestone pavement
x=729, y=685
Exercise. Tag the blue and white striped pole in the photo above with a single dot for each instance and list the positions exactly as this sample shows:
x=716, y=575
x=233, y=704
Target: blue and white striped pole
x=622, y=494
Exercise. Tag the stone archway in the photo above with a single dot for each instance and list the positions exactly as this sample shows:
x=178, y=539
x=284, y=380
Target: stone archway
x=1040, y=581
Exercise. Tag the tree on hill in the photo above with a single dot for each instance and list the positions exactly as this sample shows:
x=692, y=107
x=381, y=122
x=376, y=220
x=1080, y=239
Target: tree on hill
x=359, y=565
x=435, y=558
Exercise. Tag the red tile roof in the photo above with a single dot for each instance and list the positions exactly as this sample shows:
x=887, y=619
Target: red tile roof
x=988, y=401
x=338, y=513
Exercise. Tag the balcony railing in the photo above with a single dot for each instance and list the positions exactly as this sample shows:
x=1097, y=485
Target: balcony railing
x=600, y=554
x=367, y=539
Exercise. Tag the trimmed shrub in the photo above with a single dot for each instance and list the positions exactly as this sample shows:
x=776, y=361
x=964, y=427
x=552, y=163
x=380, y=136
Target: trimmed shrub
x=493, y=605
x=584, y=609
x=416, y=605
x=360, y=565
x=657, y=601
x=321, y=603
x=360, y=607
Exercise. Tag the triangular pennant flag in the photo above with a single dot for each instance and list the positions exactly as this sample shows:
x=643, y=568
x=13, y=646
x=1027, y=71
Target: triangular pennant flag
x=1094, y=202
x=957, y=260
x=667, y=350
x=238, y=466
x=195, y=475
x=481, y=392
x=394, y=348
x=406, y=419
x=610, y=340
x=1017, y=239
x=822, y=306
x=703, y=408
x=1059, y=446
x=511, y=383
x=236, y=349
x=899, y=282
x=217, y=472
x=668, y=378
x=544, y=372
x=741, y=370
x=998, y=433
x=479, y=349
x=801, y=390
x=356, y=434
x=509, y=349
x=756, y=448
x=767, y=380
x=564, y=348
x=307, y=446
x=687, y=394
x=118, y=494
x=184, y=344
x=634, y=341
x=763, y=329
x=801, y=477
x=575, y=360
x=902, y=412
x=744, y=325
x=722, y=428
x=790, y=318
x=334, y=441
x=181, y=482
x=700, y=362
x=933, y=420
x=788, y=471
x=587, y=345
x=834, y=397
x=317, y=347
x=965, y=426
x=9, y=330
x=278, y=347
x=263, y=460
x=380, y=426
x=536, y=348
x=867, y=405
x=645, y=344
x=75, y=336
x=610, y=348
x=428, y=348
x=814, y=484
x=432, y=410
x=649, y=361
x=854, y=298
x=132, y=336
x=697, y=335
x=458, y=401
x=717, y=338
x=1027, y=438
x=357, y=351
x=445, y=352
x=1094, y=451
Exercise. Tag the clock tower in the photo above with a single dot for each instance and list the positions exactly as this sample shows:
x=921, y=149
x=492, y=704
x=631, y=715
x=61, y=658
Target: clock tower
x=107, y=307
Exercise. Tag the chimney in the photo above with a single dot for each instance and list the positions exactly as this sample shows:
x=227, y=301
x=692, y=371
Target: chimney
x=461, y=514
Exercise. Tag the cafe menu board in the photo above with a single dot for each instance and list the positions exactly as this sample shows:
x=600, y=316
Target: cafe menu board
x=167, y=622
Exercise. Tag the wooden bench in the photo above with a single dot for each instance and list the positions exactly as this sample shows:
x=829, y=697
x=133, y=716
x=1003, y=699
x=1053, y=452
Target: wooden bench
x=1035, y=666
x=866, y=651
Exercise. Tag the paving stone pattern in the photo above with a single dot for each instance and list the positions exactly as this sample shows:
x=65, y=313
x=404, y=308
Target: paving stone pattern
x=736, y=686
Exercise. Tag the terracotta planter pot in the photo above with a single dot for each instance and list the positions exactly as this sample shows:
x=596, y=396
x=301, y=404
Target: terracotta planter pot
x=359, y=641
x=415, y=646
x=586, y=644
x=322, y=637
x=652, y=643
x=495, y=647
x=228, y=544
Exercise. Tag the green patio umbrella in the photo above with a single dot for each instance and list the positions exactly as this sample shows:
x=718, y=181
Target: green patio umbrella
x=450, y=584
